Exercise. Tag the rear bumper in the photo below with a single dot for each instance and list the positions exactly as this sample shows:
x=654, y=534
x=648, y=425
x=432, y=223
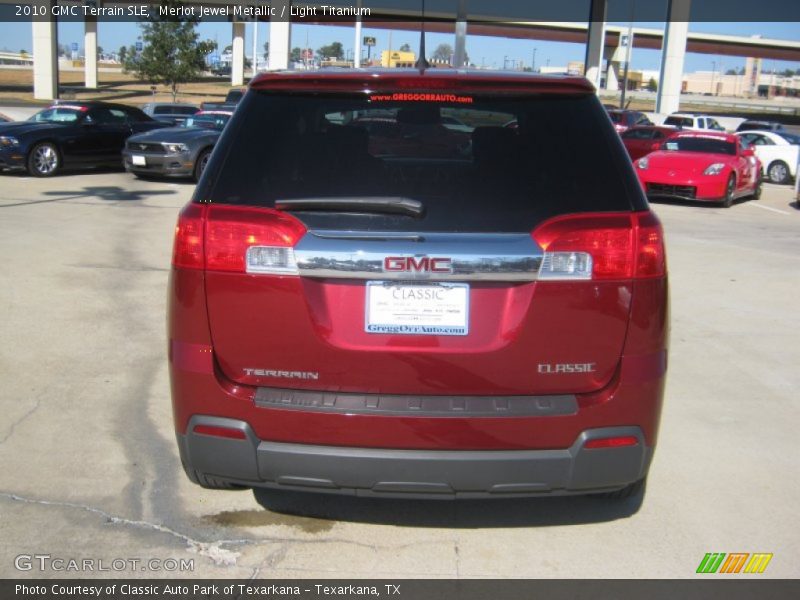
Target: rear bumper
x=413, y=473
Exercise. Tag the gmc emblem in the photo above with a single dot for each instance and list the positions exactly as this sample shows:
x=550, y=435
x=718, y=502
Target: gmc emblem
x=417, y=264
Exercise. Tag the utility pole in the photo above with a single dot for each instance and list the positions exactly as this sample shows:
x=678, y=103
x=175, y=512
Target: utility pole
x=628, y=50
x=357, y=49
x=533, y=61
x=255, y=46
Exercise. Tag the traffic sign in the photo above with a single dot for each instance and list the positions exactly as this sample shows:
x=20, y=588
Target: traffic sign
x=139, y=46
x=369, y=41
x=74, y=46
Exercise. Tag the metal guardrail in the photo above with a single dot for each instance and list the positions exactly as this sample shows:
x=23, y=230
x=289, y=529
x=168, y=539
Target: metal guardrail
x=744, y=106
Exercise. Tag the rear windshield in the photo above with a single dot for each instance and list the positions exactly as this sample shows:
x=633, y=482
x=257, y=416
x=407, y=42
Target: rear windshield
x=679, y=121
x=699, y=144
x=475, y=164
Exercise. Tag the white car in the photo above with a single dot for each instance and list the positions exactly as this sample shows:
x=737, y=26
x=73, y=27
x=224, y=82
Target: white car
x=693, y=122
x=777, y=151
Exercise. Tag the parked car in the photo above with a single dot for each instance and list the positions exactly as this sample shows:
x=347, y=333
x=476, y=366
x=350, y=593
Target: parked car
x=358, y=317
x=222, y=70
x=71, y=135
x=623, y=119
x=169, y=112
x=234, y=95
x=231, y=100
x=643, y=140
x=176, y=151
x=760, y=126
x=693, y=122
x=704, y=166
x=778, y=151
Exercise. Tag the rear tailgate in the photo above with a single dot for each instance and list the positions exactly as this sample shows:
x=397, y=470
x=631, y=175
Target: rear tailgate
x=447, y=301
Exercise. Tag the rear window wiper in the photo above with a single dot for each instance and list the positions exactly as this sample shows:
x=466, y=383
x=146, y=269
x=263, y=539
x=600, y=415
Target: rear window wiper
x=364, y=204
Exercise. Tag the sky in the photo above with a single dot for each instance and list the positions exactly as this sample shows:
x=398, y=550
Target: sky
x=484, y=51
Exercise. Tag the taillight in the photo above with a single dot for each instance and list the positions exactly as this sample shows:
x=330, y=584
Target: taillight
x=251, y=240
x=236, y=239
x=188, y=249
x=651, y=260
x=601, y=246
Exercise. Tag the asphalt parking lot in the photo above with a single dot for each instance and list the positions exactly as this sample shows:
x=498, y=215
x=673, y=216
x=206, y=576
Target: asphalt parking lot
x=90, y=465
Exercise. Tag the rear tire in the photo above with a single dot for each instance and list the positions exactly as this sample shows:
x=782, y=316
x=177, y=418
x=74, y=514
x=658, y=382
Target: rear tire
x=730, y=188
x=778, y=172
x=634, y=489
x=200, y=164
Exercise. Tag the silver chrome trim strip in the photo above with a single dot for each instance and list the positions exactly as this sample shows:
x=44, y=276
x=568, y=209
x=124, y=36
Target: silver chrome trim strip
x=475, y=256
x=421, y=406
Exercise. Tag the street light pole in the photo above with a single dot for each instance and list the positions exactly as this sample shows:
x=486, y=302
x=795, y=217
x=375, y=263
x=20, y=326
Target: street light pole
x=533, y=61
x=628, y=50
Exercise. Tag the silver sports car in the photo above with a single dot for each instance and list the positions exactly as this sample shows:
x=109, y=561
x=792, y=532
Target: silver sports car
x=181, y=151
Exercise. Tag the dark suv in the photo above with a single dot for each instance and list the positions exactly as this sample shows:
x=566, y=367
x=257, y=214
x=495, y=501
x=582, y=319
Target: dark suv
x=366, y=301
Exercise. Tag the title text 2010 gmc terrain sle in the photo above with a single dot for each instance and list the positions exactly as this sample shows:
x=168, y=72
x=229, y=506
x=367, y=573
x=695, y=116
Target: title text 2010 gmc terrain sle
x=419, y=284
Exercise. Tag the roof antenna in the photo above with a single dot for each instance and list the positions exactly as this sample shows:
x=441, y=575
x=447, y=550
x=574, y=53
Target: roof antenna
x=422, y=62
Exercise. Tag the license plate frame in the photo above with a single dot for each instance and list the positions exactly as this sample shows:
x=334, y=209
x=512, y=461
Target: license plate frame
x=429, y=308
x=138, y=160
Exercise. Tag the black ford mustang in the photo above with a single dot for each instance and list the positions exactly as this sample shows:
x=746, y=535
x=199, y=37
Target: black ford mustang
x=71, y=135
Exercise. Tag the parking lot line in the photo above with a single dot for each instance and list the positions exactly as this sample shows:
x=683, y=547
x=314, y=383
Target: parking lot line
x=777, y=210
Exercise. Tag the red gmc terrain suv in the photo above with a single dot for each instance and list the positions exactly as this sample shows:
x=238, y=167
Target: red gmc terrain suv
x=380, y=288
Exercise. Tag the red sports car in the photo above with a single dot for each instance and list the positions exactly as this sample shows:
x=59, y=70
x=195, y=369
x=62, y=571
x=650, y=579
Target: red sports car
x=705, y=166
x=643, y=140
x=625, y=119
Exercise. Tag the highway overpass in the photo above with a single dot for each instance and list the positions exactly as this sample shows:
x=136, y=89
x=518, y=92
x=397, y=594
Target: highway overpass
x=602, y=41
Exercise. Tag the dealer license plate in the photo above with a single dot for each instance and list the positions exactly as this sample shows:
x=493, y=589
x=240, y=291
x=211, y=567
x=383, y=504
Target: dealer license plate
x=429, y=309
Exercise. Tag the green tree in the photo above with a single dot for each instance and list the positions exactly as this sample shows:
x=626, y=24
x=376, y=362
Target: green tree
x=731, y=72
x=172, y=53
x=443, y=52
x=266, y=50
x=405, y=48
x=652, y=85
x=296, y=55
x=333, y=50
x=122, y=53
